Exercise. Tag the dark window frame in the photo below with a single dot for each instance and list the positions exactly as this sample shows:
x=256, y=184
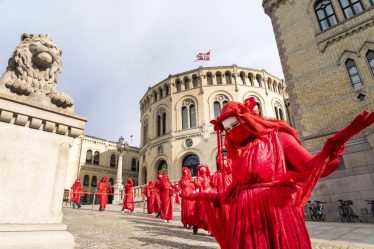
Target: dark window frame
x=326, y=15
x=348, y=67
x=351, y=6
x=370, y=59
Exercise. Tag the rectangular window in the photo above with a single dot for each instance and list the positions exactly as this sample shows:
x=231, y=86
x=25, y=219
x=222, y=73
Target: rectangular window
x=351, y=7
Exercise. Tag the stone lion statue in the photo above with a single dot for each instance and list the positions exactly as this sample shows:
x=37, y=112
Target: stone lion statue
x=34, y=67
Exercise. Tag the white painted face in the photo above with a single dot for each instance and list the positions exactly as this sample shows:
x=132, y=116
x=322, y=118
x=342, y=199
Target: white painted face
x=230, y=123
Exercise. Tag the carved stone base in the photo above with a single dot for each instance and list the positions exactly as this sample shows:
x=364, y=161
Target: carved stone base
x=35, y=236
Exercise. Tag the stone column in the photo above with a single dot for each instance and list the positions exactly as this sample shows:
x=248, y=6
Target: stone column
x=37, y=129
x=117, y=200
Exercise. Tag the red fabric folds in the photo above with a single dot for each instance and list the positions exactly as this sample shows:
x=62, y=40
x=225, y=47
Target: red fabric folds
x=166, y=208
x=76, y=189
x=187, y=186
x=272, y=178
x=101, y=192
x=128, y=201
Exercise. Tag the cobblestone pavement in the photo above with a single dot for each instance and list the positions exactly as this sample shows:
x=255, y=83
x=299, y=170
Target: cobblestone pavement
x=114, y=229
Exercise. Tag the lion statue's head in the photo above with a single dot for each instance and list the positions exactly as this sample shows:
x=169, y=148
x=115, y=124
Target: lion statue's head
x=34, y=67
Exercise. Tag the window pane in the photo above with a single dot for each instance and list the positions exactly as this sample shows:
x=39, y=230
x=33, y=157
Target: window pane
x=329, y=10
x=324, y=24
x=217, y=109
x=355, y=79
x=192, y=116
x=371, y=63
x=344, y=3
x=219, y=79
x=163, y=123
x=358, y=8
x=333, y=20
x=352, y=70
x=210, y=79
x=348, y=12
x=184, y=118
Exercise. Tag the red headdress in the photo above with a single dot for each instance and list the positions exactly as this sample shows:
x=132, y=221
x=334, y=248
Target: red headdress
x=255, y=123
x=188, y=174
x=206, y=169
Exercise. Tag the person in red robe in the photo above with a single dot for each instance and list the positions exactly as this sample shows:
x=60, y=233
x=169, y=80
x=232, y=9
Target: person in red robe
x=203, y=185
x=165, y=187
x=218, y=214
x=128, y=201
x=151, y=196
x=187, y=186
x=157, y=202
x=102, y=194
x=76, y=190
x=273, y=177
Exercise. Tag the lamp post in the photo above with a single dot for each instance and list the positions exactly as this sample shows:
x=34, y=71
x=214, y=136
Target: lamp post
x=119, y=186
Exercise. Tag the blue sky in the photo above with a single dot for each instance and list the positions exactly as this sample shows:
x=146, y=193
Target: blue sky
x=114, y=50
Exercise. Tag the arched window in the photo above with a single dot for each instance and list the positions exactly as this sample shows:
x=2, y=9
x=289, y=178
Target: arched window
x=217, y=109
x=89, y=156
x=250, y=78
x=161, y=94
x=113, y=160
x=270, y=85
x=96, y=159
x=186, y=84
x=353, y=74
x=219, y=78
x=184, y=117
x=209, y=79
x=370, y=57
x=192, y=116
x=259, y=80
x=195, y=81
x=145, y=131
x=188, y=114
x=228, y=78
x=178, y=85
x=242, y=77
x=164, y=123
x=166, y=90
x=191, y=162
x=278, y=111
x=351, y=7
x=94, y=181
x=162, y=166
x=219, y=102
x=325, y=14
x=86, y=180
x=133, y=164
x=161, y=121
x=154, y=96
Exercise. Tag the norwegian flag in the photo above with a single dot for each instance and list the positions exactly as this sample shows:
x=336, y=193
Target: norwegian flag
x=203, y=56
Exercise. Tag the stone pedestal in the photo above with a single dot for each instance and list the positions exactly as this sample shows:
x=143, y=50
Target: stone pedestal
x=34, y=151
x=117, y=200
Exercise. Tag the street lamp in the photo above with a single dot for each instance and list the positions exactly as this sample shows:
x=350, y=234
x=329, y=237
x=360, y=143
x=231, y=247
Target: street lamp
x=121, y=144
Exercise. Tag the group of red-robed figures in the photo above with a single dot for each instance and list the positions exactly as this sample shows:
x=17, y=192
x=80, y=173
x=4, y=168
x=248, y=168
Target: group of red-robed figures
x=159, y=196
x=102, y=192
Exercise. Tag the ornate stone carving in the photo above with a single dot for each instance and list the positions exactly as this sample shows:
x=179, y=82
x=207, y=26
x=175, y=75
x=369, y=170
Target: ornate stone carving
x=34, y=67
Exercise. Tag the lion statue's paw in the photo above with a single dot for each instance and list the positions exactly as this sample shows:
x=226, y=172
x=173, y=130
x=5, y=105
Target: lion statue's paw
x=20, y=87
x=61, y=99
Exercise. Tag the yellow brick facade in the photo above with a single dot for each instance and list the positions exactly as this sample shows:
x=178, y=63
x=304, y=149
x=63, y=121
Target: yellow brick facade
x=322, y=97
